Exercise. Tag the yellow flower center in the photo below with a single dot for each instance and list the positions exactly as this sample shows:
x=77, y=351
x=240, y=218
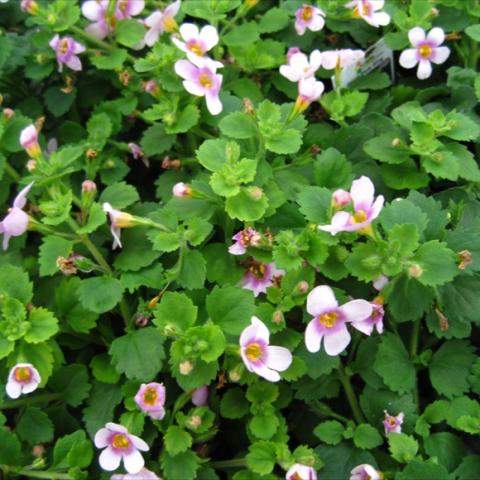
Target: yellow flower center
x=150, y=396
x=295, y=476
x=360, y=216
x=196, y=48
x=425, y=51
x=253, y=351
x=120, y=441
x=328, y=319
x=363, y=12
x=64, y=46
x=23, y=374
x=206, y=80
x=169, y=24
x=392, y=422
x=307, y=13
x=122, y=5
x=258, y=269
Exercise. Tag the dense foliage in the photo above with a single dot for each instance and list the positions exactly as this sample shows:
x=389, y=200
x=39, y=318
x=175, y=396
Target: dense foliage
x=293, y=286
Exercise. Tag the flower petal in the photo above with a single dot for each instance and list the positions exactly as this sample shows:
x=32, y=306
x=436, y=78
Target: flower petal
x=376, y=207
x=173, y=9
x=338, y=223
x=436, y=36
x=92, y=10
x=268, y=374
x=30, y=387
x=381, y=18
x=262, y=331
x=317, y=23
x=329, y=59
x=315, y=59
x=16, y=222
x=409, y=58
x=416, y=35
x=74, y=63
x=139, y=443
x=289, y=73
x=237, y=249
x=186, y=70
x=362, y=192
x=154, y=19
x=313, y=337
x=209, y=35
x=336, y=342
x=189, y=31
x=21, y=199
x=440, y=54
x=214, y=104
x=137, y=7
x=424, y=69
x=278, y=358
x=364, y=326
x=321, y=300
x=13, y=389
x=356, y=310
x=101, y=438
x=98, y=30
x=109, y=460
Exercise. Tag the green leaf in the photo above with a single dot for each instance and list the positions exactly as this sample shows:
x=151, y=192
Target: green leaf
x=315, y=204
x=231, y=308
x=119, y=195
x=212, y=154
x=402, y=447
x=14, y=282
x=462, y=128
x=332, y=169
x=175, y=310
x=419, y=470
x=198, y=230
x=241, y=35
x=59, y=102
x=448, y=449
x=467, y=165
x=330, y=432
x=185, y=120
x=238, y=125
x=182, y=466
x=249, y=205
x=450, y=367
x=469, y=468
x=367, y=437
x=403, y=211
x=365, y=261
x=96, y=218
x=100, y=294
x=273, y=20
x=262, y=393
x=387, y=148
x=286, y=142
x=193, y=270
x=261, y=457
x=99, y=128
x=233, y=404
x=165, y=241
x=43, y=325
x=139, y=354
x=129, y=32
x=103, y=370
x=177, y=440
x=136, y=252
x=437, y=263
x=52, y=248
x=64, y=445
x=72, y=383
x=10, y=451
x=34, y=427
x=405, y=175
x=393, y=364
x=155, y=141
x=265, y=424
x=113, y=60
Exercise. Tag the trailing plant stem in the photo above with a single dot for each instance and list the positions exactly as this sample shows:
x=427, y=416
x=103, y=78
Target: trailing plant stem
x=233, y=463
x=350, y=393
x=47, y=397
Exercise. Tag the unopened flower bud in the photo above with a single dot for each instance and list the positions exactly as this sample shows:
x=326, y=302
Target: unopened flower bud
x=8, y=113
x=38, y=450
x=124, y=78
x=396, y=142
x=151, y=87
x=234, y=375
x=110, y=163
x=314, y=149
x=29, y=6
x=170, y=330
x=434, y=12
x=302, y=287
x=251, y=3
x=415, y=270
x=67, y=265
x=340, y=198
x=142, y=321
x=29, y=141
x=31, y=165
x=153, y=302
x=169, y=164
x=89, y=186
x=278, y=317
x=442, y=320
x=195, y=421
x=256, y=193
x=185, y=367
x=91, y=153
x=181, y=190
x=248, y=106
x=465, y=259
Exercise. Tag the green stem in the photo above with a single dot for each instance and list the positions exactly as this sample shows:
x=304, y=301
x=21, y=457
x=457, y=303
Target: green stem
x=233, y=463
x=413, y=354
x=12, y=172
x=324, y=410
x=26, y=473
x=46, y=397
x=350, y=393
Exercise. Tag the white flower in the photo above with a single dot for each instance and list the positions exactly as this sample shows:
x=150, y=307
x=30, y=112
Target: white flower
x=368, y=11
x=301, y=67
x=426, y=49
x=23, y=378
x=196, y=42
x=309, y=17
x=341, y=58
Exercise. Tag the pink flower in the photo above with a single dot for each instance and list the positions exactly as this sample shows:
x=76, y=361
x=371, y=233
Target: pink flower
x=300, y=66
x=16, y=222
x=159, y=22
x=118, y=221
x=243, y=239
x=22, y=379
x=426, y=49
x=258, y=356
x=200, y=396
x=341, y=58
x=309, y=90
x=89, y=186
x=29, y=141
x=365, y=472
x=340, y=198
x=181, y=189
x=380, y=282
x=260, y=276
x=29, y=6
x=367, y=10
x=329, y=322
x=143, y=474
x=151, y=398
x=393, y=424
x=203, y=81
x=66, y=49
x=375, y=320
x=96, y=11
x=120, y=445
x=196, y=42
x=151, y=87
x=301, y=472
x=128, y=8
x=292, y=51
x=366, y=209
x=137, y=153
x=309, y=17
